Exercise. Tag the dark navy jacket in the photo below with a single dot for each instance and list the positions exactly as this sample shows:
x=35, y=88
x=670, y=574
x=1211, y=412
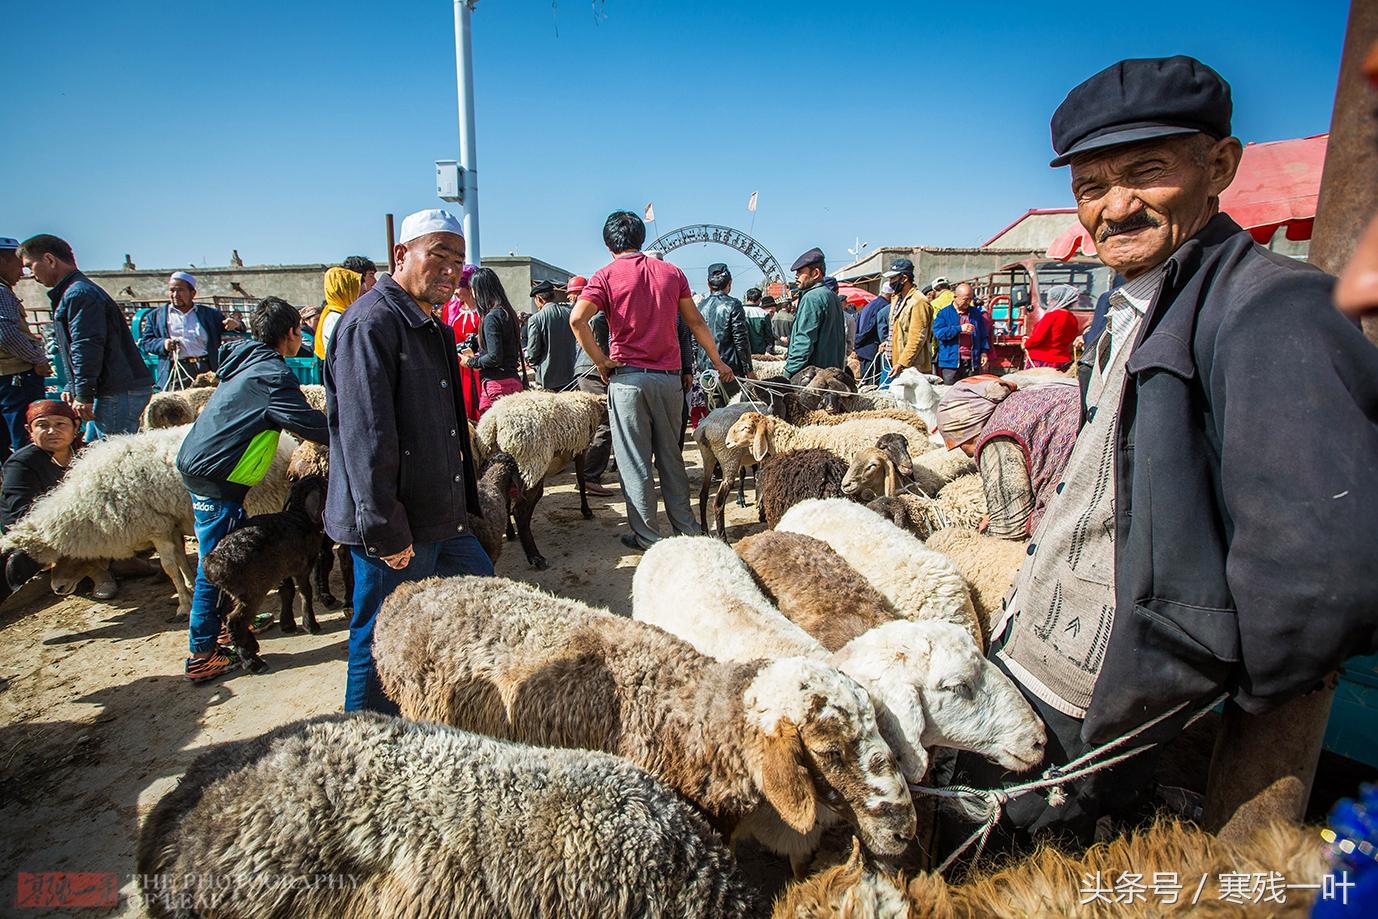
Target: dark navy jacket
x=1246, y=487
x=235, y=438
x=153, y=337
x=95, y=345
x=401, y=466
x=868, y=330
x=947, y=330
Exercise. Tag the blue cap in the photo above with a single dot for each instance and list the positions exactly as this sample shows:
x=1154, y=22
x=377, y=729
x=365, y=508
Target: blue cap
x=8, y=242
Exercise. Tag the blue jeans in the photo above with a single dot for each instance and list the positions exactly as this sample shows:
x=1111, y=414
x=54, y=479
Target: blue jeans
x=215, y=519
x=16, y=392
x=373, y=581
x=118, y=413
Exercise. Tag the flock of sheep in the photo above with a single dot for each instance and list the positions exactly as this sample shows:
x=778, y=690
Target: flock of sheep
x=557, y=759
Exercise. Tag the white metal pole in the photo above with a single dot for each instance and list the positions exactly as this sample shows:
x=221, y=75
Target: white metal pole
x=468, y=148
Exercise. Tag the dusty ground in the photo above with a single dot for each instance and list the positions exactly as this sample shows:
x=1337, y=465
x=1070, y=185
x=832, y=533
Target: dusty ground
x=97, y=722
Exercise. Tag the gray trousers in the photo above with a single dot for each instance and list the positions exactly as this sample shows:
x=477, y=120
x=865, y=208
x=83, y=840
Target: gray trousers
x=645, y=411
x=596, y=456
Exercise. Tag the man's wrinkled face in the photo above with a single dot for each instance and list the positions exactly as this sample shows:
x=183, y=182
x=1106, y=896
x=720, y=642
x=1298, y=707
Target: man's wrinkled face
x=808, y=276
x=429, y=267
x=180, y=294
x=1141, y=202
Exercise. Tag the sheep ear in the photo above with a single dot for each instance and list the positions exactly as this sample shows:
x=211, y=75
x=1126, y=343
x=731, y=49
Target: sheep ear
x=857, y=860
x=759, y=443
x=784, y=778
x=892, y=479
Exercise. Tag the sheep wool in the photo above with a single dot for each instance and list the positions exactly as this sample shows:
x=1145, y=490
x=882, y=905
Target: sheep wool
x=765, y=434
x=541, y=430
x=937, y=468
x=988, y=565
x=785, y=479
x=899, y=413
x=123, y=495
x=418, y=819
x=919, y=582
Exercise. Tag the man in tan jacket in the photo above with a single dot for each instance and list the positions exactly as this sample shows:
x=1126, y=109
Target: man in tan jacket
x=911, y=320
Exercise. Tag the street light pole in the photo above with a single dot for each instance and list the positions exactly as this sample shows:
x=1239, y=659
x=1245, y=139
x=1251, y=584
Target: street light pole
x=468, y=148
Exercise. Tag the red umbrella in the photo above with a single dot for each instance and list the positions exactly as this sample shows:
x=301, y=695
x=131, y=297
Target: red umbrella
x=854, y=295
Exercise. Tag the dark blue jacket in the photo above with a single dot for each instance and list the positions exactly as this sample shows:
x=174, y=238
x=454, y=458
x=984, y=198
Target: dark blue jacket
x=1244, y=501
x=947, y=330
x=94, y=343
x=868, y=331
x=401, y=468
x=153, y=337
x=235, y=438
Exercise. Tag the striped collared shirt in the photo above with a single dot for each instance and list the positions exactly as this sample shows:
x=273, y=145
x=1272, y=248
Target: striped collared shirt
x=15, y=339
x=1128, y=304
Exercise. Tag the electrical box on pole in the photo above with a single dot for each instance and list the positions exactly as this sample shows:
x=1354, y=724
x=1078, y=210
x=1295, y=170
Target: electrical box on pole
x=449, y=181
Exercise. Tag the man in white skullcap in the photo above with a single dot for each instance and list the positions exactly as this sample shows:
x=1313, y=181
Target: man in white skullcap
x=184, y=335
x=401, y=482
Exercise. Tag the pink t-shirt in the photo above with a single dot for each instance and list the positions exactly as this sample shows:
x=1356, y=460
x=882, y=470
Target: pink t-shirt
x=641, y=297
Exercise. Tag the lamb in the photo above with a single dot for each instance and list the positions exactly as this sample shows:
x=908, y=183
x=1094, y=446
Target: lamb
x=829, y=389
x=961, y=503
x=543, y=431
x=787, y=478
x=263, y=552
x=989, y=566
x=314, y=459
x=420, y=819
x=776, y=750
x=123, y=495
x=928, y=681
x=1051, y=883
x=498, y=485
x=766, y=434
x=919, y=582
x=711, y=437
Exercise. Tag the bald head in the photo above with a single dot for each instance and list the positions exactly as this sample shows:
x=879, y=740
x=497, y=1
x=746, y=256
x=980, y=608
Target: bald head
x=962, y=295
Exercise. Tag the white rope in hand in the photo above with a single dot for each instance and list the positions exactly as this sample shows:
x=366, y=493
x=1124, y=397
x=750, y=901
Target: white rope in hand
x=991, y=801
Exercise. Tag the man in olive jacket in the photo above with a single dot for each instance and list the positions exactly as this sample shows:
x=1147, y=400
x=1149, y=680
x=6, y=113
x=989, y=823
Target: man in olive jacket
x=401, y=474
x=1235, y=553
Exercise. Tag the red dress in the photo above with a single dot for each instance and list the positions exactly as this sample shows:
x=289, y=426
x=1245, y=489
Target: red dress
x=1050, y=342
x=465, y=322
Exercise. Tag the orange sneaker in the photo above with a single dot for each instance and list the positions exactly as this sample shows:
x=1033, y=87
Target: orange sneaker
x=200, y=669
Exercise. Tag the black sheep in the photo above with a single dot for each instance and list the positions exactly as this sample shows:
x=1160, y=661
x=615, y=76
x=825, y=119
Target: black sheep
x=499, y=487
x=267, y=551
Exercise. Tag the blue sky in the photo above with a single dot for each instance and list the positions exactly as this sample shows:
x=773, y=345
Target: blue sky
x=178, y=131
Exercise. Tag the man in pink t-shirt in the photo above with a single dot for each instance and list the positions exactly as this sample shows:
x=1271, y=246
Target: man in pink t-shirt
x=642, y=297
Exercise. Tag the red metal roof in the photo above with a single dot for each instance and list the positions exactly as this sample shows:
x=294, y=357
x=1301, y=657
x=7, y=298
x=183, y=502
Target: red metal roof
x=1276, y=186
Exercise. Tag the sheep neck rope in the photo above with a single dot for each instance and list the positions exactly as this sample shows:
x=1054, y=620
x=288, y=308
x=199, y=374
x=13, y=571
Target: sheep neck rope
x=991, y=801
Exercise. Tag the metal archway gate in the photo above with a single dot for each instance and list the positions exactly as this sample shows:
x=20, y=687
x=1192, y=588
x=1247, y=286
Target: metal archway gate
x=723, y=236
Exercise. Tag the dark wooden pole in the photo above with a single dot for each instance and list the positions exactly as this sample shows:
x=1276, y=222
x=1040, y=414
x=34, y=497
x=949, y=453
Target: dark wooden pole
x=392, y=241
x=1264, y=765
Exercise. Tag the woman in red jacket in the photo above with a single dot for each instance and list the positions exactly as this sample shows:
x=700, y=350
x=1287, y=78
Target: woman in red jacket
x=1050, y=342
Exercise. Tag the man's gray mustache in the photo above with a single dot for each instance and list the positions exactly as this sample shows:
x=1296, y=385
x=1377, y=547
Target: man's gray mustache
x=1115, y=229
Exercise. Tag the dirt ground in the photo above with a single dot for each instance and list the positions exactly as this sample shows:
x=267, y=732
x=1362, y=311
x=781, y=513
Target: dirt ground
x=97, y=723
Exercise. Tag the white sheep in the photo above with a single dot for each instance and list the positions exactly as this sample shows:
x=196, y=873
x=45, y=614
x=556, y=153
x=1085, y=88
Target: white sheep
x=919, y=582
x=921, y=392
x=363, y=815
x=939, y=467
x=928, y=681
x=711, y=437
x=543, y=431
x=766, y=434
x=123, y=495
x=772, y=750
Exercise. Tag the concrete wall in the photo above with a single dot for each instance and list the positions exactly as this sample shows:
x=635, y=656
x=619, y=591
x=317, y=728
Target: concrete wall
x=1035, y=231
x=932, y=262
x=300, y=285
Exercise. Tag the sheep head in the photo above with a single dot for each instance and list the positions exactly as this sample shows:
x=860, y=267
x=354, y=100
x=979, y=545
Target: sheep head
x=830, y=389
x=968, y=703
x=752, y=428
x=873, y=473
x=67, y=573
x=819, y=738
x=309, y=458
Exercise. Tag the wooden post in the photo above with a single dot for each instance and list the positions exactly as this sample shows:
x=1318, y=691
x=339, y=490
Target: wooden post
x=1349, y=184
x=1264, y=764
x=392, y=241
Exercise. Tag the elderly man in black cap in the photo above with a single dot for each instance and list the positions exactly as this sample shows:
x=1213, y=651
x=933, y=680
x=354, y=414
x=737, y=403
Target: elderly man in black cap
x=818, y=335
x=550, y=344
x=726, y=321
x=1217, y=561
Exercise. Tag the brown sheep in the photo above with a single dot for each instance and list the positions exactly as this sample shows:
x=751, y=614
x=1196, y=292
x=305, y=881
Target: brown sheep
x=814, y=587
x=1051, y=883
x=169, y=411
x=785, y=479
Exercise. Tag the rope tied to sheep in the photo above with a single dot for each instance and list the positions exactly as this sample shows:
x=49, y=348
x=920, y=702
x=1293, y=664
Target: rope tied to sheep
x=988, y=804
x=774, y=384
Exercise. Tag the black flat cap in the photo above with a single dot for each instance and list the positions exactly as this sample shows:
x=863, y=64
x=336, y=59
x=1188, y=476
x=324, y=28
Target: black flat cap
x=717, y=268
x=542, y=289
x=813, y=257
x=1139, y=100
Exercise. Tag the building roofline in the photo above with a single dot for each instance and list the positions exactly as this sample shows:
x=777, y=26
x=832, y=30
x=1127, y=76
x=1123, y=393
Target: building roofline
x=1030, y=213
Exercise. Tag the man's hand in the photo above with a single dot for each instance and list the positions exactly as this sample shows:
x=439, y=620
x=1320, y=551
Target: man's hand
x=985, y=362
x=232, y=324
x=725, y=373
x=400, y=560
x=606, y=368
x=171, y=344
x=86, y=411
x=686, y=380
x=66, y=397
